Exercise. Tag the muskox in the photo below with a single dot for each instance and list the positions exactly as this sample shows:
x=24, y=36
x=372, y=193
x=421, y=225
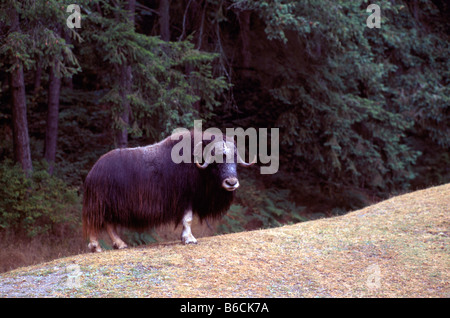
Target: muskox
x=143, y=187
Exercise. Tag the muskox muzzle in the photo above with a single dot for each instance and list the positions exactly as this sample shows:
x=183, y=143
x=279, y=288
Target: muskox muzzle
x=230, y=184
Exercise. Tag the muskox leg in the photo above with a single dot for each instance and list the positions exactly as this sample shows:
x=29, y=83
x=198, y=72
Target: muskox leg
x=117, y=242
x=186, y=235
x=94, y=245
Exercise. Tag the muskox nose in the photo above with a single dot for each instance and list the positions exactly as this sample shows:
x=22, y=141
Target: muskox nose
x=230, y=184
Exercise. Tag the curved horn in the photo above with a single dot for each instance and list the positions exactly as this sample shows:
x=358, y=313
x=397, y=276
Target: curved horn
x=201, y=166
x=198, y=154
x=245, y=164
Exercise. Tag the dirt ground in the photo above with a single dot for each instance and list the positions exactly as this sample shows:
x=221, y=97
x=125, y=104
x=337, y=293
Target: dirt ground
x=396, y=248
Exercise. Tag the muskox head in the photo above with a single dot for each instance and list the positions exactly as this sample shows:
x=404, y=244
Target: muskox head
x=221, y=157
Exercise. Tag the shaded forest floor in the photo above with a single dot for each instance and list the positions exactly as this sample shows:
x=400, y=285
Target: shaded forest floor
x=397, y=248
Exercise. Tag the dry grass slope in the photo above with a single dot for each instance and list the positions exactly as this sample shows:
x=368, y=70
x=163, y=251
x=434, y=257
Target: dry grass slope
x=397, y=248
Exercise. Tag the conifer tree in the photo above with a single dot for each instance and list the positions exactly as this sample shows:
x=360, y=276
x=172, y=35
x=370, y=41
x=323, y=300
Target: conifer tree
x=13, y=41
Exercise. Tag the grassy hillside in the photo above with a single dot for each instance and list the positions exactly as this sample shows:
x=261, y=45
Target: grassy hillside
x=397, y=248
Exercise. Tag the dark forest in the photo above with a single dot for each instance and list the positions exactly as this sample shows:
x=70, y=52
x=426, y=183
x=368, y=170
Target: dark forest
x=363, y=112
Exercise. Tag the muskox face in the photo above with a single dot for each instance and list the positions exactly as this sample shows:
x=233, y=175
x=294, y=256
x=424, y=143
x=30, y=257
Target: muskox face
x=225, y=174
x=221, y=159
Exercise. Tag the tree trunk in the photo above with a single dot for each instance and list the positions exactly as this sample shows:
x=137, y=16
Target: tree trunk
x=51, y=133
x=244, y=22
x=131, y=11
x=21, y=139
x=37, y=80
x=67, y=81
x=19, y=108
x=164, y=19
x=197, y=8
x=125, y=89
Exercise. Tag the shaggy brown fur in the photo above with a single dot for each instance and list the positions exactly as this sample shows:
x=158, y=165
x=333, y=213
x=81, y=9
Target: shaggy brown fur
x=142, y=187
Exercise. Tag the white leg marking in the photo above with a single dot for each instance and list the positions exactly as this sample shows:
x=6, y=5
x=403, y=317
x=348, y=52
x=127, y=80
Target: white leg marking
x=94, y=245
x=117, y=242
x=186, y=235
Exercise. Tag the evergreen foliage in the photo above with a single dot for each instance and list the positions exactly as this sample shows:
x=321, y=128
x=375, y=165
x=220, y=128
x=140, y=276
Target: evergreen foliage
x=168, y=77
x=362, y=112
x=338, y=91
x=35, y=204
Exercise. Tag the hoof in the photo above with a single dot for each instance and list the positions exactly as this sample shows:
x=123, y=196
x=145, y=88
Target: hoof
x=189, y=240
x=94, y=247
x=120, y=246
